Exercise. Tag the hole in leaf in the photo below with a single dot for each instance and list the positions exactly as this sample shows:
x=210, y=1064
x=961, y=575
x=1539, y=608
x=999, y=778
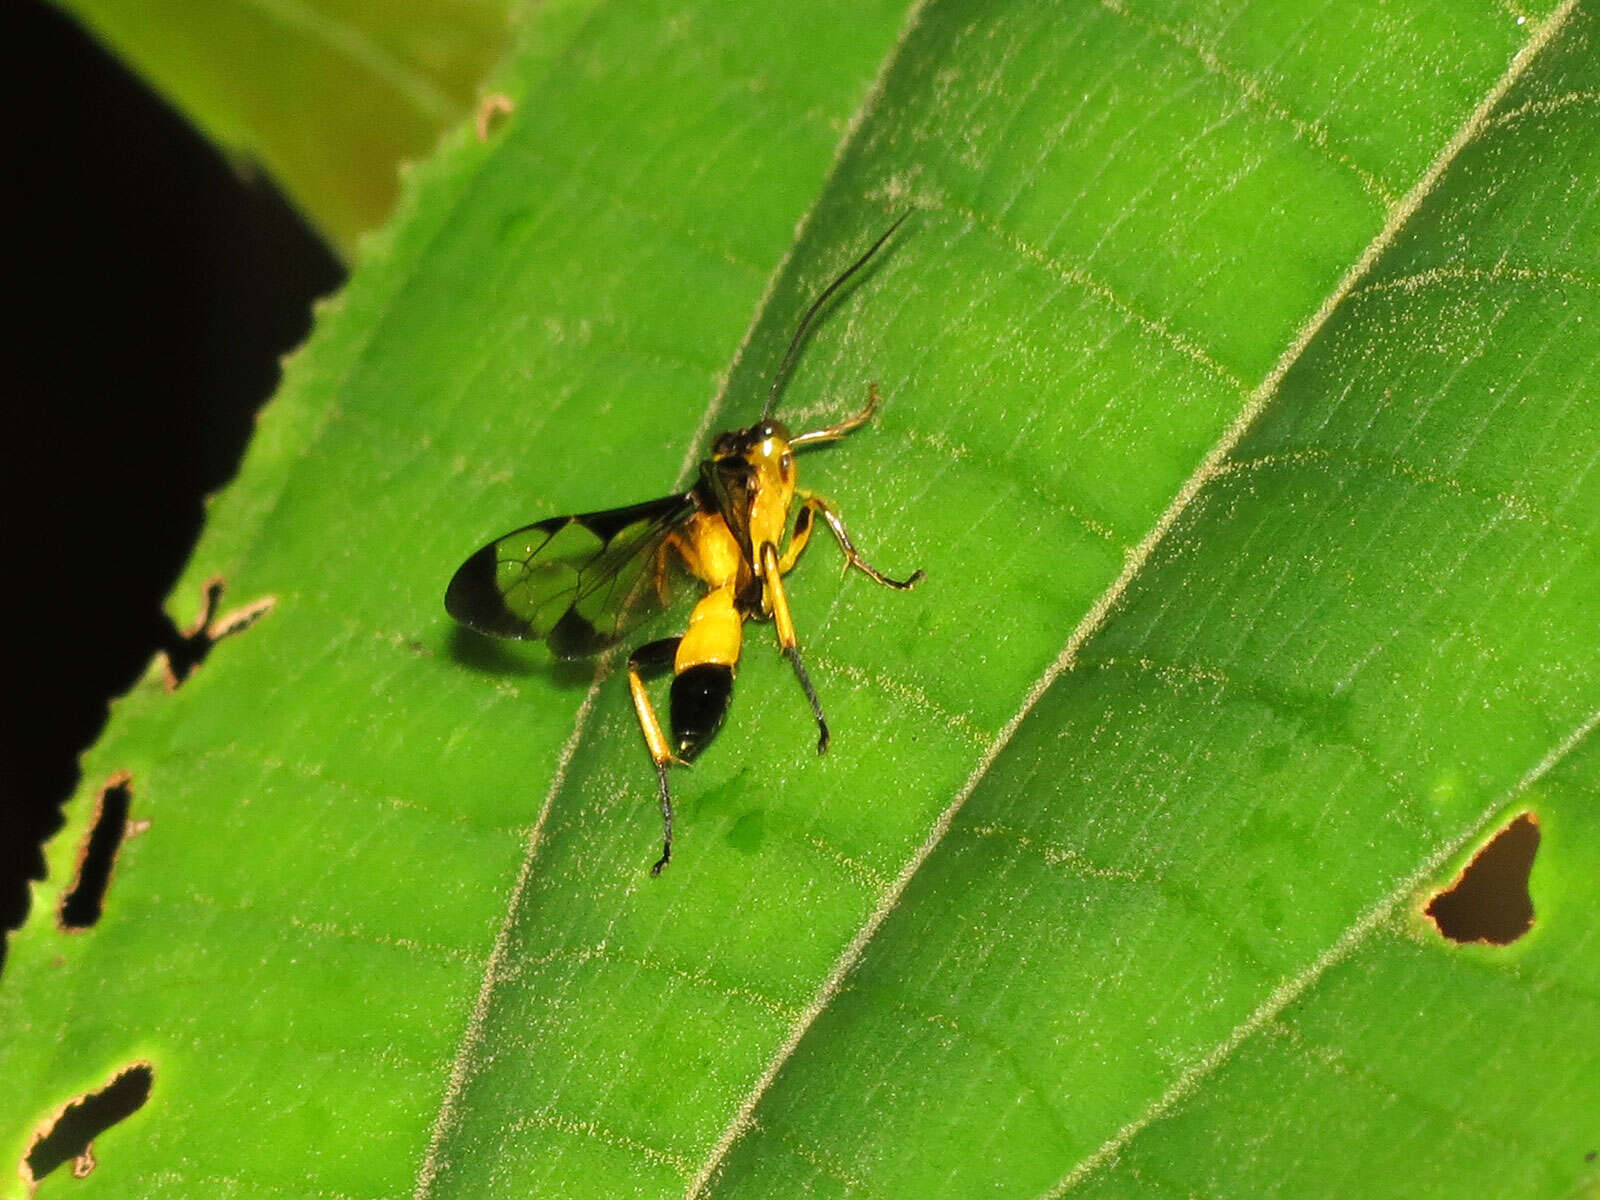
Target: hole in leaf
x=67, y=1137
x=186, y=651
x=1489, y=902
x=82, y=905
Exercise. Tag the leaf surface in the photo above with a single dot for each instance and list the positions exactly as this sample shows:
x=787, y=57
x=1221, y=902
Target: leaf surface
x=1239, y=406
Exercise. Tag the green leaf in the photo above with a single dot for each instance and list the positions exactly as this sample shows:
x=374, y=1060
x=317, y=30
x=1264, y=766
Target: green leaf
x=1239, y=404
x=330, y=96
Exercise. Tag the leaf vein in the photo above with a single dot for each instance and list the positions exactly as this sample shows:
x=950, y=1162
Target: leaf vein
x=1312, y=132
x=1293, y=987
x=547, y=1119
x=1091, y=623
x=1102, y=291
x=467, y=1054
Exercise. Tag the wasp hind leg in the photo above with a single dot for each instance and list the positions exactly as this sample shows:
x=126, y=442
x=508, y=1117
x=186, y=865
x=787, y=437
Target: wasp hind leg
x=651, y=662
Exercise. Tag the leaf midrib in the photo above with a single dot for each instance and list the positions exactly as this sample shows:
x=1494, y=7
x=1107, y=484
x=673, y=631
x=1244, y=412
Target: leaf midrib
x=461, y=1065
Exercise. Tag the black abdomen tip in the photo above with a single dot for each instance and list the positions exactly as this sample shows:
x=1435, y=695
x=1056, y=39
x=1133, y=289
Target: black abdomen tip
x=700, y=697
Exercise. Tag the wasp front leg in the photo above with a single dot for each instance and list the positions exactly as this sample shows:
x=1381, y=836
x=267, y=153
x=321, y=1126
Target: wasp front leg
x=845, y=427
x=802, y=534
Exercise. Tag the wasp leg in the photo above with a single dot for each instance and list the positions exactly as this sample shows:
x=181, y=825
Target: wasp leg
x=803, y=524
x=787, y=641
x=650, y=662
x=673, y=544
x=849, y=425
x=852, y=556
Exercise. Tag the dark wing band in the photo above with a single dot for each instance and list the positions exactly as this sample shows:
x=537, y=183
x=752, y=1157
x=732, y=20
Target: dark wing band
x=578, y=583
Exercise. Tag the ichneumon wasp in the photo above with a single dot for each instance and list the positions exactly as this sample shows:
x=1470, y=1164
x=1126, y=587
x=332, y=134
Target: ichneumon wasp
x=578, y=583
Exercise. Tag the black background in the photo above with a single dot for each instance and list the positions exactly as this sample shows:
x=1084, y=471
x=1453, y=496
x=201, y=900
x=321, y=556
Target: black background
x=154, y=285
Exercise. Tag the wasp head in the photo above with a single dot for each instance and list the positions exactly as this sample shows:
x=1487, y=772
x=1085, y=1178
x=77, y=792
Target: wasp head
x=765, y=448
x=767, y=458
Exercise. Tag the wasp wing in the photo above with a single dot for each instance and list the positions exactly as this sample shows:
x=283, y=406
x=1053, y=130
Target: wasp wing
x=732, y=489
x=574, y=582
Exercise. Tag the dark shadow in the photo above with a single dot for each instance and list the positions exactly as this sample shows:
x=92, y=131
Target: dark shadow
x=162, y=285
x=495, y=656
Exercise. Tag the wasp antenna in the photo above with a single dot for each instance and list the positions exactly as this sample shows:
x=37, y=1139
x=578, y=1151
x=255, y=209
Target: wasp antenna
x=816, y=305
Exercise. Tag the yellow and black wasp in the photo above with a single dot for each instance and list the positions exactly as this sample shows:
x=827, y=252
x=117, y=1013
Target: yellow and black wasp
x=578, y=583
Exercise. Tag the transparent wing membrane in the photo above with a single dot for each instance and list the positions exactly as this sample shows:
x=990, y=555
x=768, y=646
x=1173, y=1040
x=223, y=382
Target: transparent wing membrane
x=577, y=582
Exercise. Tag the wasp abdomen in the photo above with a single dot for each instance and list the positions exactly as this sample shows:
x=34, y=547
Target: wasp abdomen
x=700, y=697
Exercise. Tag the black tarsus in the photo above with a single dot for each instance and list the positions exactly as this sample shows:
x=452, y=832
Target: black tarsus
x=651, y=661
x=666, y=820
x=816, y=305
x=792, y=653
